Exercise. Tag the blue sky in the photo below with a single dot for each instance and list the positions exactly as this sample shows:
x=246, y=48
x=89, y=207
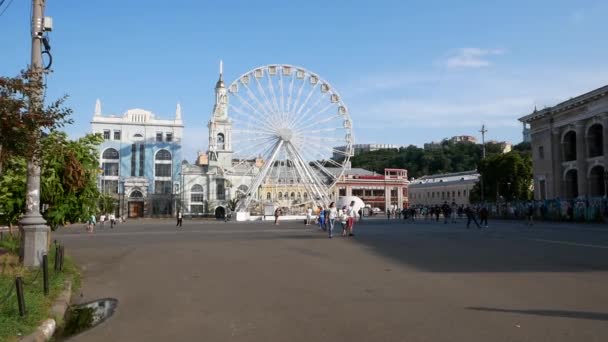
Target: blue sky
x=409, y=71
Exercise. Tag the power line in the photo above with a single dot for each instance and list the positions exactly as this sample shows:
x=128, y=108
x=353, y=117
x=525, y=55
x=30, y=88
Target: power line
x=7, y=6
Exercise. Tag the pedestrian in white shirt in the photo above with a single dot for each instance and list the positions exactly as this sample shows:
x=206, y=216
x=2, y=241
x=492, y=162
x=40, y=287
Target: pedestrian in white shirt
x=352, y=215
x=331, y=219
x=308, y=216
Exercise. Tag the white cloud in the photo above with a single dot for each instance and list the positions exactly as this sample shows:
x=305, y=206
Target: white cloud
x=472, y=57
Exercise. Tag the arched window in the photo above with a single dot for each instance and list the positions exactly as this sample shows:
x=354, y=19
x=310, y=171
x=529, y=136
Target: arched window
x=268, y=196
x=197, y=193
x=162, y=172
x=110, y=153
x=163, y=155
x=306, y=196
x=280, y=195
x=111, y=168
x=220, y=141
x=293, y=196
x=136, y=194
x=299, y=195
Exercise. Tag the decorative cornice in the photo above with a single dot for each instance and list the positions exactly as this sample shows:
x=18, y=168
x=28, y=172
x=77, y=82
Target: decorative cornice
x=575, y=102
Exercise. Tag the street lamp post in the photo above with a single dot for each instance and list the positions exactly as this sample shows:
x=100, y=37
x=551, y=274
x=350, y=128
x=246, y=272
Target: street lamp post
x=34, y=231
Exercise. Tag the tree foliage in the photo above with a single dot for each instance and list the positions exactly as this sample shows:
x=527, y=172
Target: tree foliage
x=443, y=157
x=22, y=120
x=505, y=177
x=68, y=181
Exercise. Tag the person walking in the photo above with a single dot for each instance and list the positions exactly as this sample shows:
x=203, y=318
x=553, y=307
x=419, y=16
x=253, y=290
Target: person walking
x=470, y=217
x=344, y=220
x=331, y=215
x=308, y=216
x=388, y=214
x=277, y=213
x=102, y=220
x=352, y=215
x=445, y=209
x=179, y=219
x=112, y=220
x=483, y=216
x=321, y=218
x=91, y=224
x=453, y=211
x=530, y=214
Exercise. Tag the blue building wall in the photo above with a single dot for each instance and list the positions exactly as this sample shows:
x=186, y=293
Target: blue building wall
x=150, y=151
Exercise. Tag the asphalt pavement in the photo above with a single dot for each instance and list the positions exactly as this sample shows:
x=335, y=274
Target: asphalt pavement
x=393, y=281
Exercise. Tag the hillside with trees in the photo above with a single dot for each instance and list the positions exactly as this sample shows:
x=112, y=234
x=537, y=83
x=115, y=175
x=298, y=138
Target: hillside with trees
x=444, y=157
x=507, y=175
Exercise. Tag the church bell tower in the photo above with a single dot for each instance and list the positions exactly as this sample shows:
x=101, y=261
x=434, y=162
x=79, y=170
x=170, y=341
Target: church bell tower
x=220, y=128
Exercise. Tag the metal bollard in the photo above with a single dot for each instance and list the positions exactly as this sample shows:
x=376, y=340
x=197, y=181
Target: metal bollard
x=20, y=298
x=62, y=251
x=56, y=266
x=45, y=273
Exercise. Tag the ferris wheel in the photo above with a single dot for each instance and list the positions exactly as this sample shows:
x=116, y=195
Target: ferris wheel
x=292, y=134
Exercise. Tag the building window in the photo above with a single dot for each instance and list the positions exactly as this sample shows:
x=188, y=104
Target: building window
x=163, y=155
x=197, y=194
x=168, y=137
x=280, y=195
x=109, y=186
x=306, y=196
x=162, y=170
x=341, y=192
x=110, y=162
x=541, y=152
x=268, y=196
x=543, y=189
x=133, y=159
x=106, y=134
x=116, y=135
x=159, y=136
x=220, y=141
x=162, y=187
x=110, y=169
x=197, y=209
x=220, y=192
x=464, y=193
x=142, y=159
x=458, y=193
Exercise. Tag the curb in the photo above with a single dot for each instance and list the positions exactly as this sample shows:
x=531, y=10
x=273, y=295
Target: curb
x=45, y=331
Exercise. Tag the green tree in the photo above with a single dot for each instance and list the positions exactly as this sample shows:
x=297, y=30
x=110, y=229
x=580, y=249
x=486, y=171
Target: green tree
x=505, y=176
x=22, y=120
x=68, y=181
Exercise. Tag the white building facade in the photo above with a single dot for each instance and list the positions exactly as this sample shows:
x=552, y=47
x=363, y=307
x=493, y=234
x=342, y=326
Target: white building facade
x=140, y=161
x=213, y=183
x=438, y=189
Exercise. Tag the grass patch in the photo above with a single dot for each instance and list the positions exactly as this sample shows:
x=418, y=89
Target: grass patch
x=12, y=326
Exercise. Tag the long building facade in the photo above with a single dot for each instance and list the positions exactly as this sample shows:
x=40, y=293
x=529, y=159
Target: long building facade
x=438, y=189
x=139, y=161
x=570, y=147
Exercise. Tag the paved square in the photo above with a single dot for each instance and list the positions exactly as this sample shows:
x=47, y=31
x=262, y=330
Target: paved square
x=424, y=281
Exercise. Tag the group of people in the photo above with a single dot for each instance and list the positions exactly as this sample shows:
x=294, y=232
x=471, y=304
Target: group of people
x=326, y=218
x=103, y=219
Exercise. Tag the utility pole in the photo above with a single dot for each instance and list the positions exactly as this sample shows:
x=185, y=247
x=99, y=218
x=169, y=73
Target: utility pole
x=483, y=156
x=34, y=243
x=483, y=141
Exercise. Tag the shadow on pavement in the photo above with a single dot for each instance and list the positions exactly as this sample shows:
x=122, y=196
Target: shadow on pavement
x=453, y=248
x=597, y=316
